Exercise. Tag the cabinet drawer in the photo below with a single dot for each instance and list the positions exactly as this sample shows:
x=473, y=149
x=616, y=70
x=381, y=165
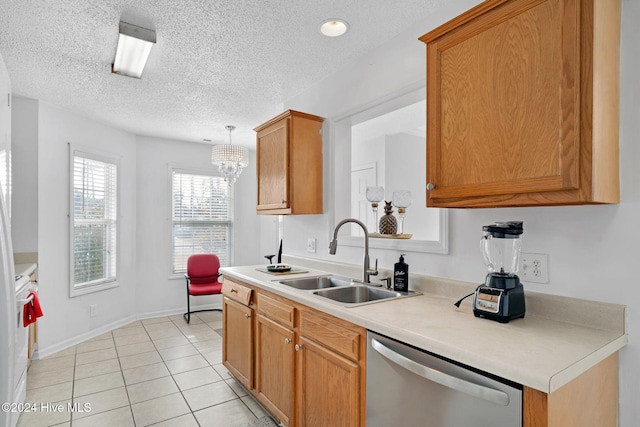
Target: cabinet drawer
x=330, y=334
x=276, y=310
x=236, y=291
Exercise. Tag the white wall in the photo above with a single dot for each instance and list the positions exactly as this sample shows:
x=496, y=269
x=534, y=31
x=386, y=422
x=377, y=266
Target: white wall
x=406, y=156
x=65, y=319
x=592, y=249
x=5, y=121
x=42, y=161
x=155, y=157
x=24, y=200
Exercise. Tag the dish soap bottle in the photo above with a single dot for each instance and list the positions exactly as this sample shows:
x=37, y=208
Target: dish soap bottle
x=401, y=275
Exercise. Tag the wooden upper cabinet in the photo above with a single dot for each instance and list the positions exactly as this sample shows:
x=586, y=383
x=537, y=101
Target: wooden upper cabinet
x=522, y=104
x=289, y=164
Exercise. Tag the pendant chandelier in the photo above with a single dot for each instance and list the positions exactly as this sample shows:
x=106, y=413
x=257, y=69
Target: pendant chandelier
x=230, y=159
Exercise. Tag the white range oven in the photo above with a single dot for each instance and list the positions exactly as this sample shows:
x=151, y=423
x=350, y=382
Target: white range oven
x=23, y=288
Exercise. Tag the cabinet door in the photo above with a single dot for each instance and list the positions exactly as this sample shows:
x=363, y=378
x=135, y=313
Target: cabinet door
x=275, y=368
x=502, y=97
x=237, y=350
x=272, y=149
x=328, y=388
x=518, y=100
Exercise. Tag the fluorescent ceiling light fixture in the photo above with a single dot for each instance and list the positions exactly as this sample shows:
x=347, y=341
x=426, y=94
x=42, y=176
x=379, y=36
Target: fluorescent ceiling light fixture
x=334, y=27
x=134, y=46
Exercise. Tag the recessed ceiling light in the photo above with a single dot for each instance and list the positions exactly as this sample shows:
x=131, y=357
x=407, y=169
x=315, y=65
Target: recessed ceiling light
x=334, y=27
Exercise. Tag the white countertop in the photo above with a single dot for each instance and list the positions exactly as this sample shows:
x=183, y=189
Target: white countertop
x=25, y=269
x=538, y=351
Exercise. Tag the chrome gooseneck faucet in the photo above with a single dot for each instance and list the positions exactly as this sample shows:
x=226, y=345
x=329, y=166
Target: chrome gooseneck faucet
x=334, y=245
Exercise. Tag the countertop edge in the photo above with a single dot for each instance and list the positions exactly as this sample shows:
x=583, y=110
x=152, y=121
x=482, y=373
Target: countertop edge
x=564, y=377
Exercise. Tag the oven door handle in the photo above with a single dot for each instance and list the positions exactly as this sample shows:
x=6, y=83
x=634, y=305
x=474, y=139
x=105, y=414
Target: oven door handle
x=482, y=392
x=22, y=302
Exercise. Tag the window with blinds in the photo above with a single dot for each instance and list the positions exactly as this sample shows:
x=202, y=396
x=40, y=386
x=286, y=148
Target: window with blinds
x=94, y=214
x=202, y=218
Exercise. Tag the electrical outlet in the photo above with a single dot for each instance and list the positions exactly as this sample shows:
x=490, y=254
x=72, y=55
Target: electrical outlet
x=93, y=310
x=311, y=245
x=534, y=268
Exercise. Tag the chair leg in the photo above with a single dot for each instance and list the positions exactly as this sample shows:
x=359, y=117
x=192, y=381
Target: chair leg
x=187, y=315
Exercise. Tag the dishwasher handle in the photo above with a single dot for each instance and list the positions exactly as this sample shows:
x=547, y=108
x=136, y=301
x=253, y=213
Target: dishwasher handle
x=486, y=393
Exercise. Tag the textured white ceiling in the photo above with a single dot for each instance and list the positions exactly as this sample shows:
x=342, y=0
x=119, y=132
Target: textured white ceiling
x=215, y=62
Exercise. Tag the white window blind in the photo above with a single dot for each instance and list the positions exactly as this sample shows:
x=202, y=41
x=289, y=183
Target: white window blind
x=202, y=218
x=95, y=225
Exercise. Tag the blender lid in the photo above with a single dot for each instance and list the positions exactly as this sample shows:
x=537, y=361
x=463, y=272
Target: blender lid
x=509, y=229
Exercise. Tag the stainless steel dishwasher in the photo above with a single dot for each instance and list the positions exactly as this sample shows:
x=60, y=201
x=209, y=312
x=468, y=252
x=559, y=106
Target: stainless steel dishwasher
x=408, y=387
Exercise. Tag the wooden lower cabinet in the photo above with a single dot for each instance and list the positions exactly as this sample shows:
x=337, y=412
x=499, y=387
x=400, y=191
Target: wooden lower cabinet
x=238, y=338
x=237, y=349
x=308, y=368
x=274, y=368
x=328, y=387
x=304, y=366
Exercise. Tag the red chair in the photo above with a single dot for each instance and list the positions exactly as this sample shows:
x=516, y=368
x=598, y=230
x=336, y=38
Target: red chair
x=202, y=279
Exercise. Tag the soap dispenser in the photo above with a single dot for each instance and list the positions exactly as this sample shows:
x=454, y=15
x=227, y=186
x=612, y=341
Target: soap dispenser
x=401, y=275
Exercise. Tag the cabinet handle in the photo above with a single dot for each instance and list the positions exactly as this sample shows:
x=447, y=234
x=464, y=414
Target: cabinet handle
x=234, y=291
x=430, y=186
x=247, y=316
x=284, y=201
x=298, y=347
x=287, y=340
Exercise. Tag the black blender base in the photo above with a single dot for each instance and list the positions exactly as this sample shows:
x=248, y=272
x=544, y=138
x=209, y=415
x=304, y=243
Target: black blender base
x=511, y=304
x=497, y=317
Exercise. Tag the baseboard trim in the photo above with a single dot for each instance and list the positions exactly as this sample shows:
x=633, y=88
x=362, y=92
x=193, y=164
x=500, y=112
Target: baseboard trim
x=41, y=353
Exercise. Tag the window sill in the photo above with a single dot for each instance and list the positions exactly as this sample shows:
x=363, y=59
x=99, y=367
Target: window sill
x=84, y=290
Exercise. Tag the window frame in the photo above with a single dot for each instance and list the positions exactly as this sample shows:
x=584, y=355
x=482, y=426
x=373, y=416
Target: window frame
x=173, y=168
x=106, y=283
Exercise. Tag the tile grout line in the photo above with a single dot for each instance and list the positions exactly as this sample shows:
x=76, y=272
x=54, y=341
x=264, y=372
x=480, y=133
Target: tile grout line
x=238, y=397
x=183, y=333
x=124, y=381
x=172, y=378
x=73, y=382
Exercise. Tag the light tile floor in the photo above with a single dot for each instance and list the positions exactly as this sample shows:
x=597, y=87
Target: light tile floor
x=160, y=371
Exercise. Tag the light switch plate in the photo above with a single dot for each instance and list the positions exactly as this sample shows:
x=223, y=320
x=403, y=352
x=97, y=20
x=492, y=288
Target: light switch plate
x=311, y=245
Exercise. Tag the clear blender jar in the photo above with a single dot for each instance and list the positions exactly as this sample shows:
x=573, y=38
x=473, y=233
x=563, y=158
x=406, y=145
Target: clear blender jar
x=500, y=246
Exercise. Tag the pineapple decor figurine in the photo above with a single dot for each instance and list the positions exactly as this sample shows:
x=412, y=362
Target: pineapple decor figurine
x=388, y=223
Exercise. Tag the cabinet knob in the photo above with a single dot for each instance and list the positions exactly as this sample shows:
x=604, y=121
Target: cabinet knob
x=287, y=340
x=298, y=347
x=247, y=316
x=430, y=186
x=284, y=201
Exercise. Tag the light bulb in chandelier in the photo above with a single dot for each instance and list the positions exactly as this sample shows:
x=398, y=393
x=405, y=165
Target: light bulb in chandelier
x=230, y=159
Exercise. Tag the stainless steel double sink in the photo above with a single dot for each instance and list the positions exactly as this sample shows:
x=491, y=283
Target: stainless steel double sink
x=345, y=291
